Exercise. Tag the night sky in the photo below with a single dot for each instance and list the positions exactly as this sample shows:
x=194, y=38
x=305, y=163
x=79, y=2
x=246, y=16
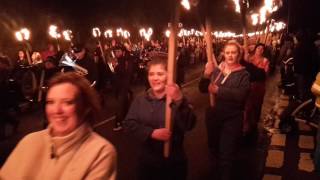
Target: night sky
x=131, y=13
x=82, y=15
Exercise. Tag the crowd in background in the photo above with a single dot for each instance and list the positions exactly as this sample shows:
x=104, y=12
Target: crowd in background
x=238, y=83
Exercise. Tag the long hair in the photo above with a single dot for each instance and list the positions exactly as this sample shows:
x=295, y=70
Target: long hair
x=88, y=105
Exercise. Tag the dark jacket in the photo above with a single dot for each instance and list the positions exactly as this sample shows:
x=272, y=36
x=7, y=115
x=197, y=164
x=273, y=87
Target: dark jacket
x=88, y=63
x=232, y=93
x=123, y=72
x=256, y=74
x=148, y=113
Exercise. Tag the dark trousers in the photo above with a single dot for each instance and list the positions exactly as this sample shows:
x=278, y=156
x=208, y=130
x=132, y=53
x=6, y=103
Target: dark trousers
x=163, y=170
x=124, y=97
x=224, y=133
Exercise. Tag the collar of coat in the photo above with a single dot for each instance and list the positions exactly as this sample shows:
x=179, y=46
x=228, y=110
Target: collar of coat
x=63, y=144
x=150, y=96
x=226, y=71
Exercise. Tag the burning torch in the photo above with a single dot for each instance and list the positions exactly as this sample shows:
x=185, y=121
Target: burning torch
x=23, y=36
x=97, y=34
x=53, y=32
x=67, y=35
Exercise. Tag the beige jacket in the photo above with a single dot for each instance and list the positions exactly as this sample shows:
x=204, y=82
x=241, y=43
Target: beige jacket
x=315, y=89
x=82, y=154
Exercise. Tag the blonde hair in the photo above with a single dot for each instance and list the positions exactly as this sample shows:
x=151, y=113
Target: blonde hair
x=236, y=44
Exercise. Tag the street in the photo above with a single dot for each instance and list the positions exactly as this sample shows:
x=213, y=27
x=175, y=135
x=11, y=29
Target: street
x=253, y=161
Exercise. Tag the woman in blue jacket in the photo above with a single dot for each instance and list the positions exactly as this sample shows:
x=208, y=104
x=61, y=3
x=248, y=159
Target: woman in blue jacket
x=229, y=84
x=146, y=122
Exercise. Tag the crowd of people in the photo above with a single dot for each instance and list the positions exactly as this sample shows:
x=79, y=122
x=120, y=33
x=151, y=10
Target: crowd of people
x=69, y=149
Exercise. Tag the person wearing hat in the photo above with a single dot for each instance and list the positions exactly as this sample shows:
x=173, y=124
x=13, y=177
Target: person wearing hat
x=83, y=59
x=122, y=79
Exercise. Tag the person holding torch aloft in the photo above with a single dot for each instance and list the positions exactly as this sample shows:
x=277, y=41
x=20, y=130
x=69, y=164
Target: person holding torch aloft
x=145, y=121
x=258, y=67
x=229, y=84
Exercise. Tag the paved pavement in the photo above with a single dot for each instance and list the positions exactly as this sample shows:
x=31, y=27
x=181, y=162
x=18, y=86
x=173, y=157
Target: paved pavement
x=289, y=156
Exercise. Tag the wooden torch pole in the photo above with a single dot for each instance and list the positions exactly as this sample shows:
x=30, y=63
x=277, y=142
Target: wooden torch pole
x=243, y=10
x=171, y=72
x=210, y=55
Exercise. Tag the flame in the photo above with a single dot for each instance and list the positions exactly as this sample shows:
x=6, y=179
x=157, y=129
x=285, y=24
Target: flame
x=142, y=32
x=226, y=34
x=108, y=33
x=276, y=26
x=280, y=26
x=23, y=34
x=53, y=31
x=185, y=4
x=126, y=34
x=119, y=32
x=167, y=33
x=192, y=31
x=148, y=34
x=19, y=36
x=180, y=34
x=198, y=33
x=237, y=4
x=268, y=4
x=255, y=19
x=67, y=34
x=26, y=33
x=272, y=5
x=96, y=32
x=263, y=13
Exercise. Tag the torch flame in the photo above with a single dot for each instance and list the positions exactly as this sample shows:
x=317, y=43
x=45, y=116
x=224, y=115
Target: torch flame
x=198, y=33
x=119, y=32
x=126, y=34
x=185, y=4
x=272, y=5
x=255, y=19
x=146, y=34
x=263, y=13
x=96, y=32
x=108, y=33
x=19, y=36
x=23, y=34
x=67, y=34
x=167, y=33
x=53, y=32
x=237, y=4
x=26, y=33
x=180, y=34
x=142, y=32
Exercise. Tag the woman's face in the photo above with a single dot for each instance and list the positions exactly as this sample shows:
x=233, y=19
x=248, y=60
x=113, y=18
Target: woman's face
x=259, y=50
x=21, y=54
x=61, y=109
x=231, y=54
x=157, y=77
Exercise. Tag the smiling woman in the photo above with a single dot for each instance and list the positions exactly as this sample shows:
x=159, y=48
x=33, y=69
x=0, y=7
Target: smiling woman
x=145, y=121
x=68, y=148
